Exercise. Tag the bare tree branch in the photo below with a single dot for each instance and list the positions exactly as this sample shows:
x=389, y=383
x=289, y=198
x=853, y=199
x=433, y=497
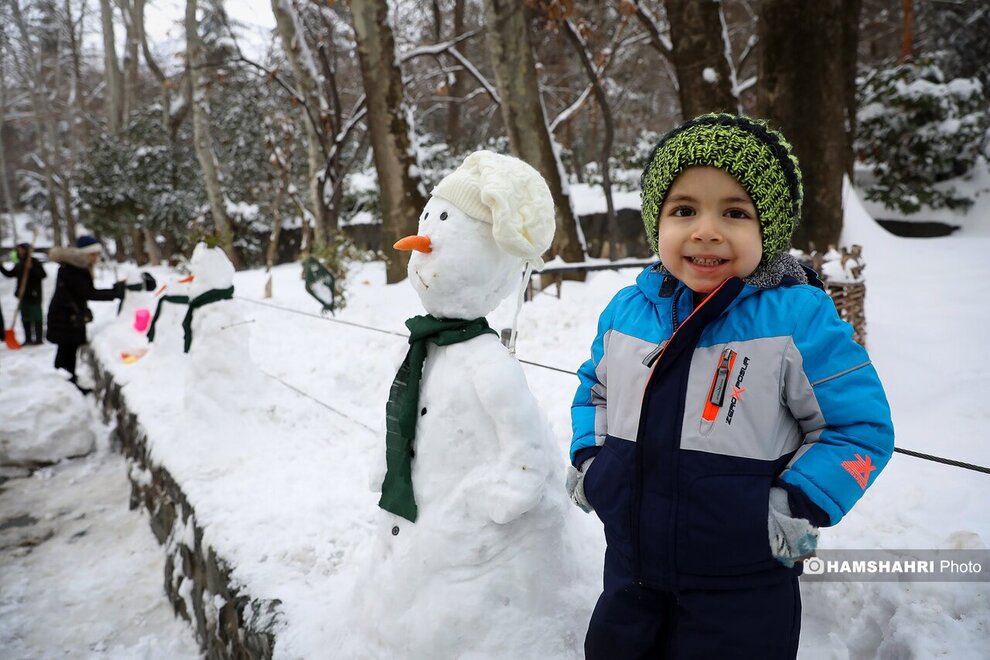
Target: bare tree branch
x=659, y=40
x=449, y=48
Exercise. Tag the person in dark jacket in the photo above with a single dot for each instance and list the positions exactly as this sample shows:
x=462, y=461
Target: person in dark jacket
x=68, y=313
x=31, y=315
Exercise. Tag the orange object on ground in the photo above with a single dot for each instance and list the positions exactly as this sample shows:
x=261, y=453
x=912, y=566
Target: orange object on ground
x=9, y=337
x=129, y=358
x=11, y=340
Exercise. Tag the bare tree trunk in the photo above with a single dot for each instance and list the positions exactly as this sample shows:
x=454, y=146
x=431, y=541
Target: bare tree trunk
x=115, y=80
x=907, y=35
x=44, y=123
x=314, y=109
x=74, y=108
x=703, y=74
x=402, y=197
x=136, y=40
x=850, y=50
x=151, y=247
x=581, y=47
x=130, y=69
x=511, y=54
x=138, y=251
x=8, y=199
x=202, y=138
x=804, y=93
x=333, y=173
x=280, y=141
x=458, y=86
x=140, y=35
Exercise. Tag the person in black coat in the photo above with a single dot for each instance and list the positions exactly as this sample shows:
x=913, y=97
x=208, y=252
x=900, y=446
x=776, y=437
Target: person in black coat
x=31, y=315
x=68, y=313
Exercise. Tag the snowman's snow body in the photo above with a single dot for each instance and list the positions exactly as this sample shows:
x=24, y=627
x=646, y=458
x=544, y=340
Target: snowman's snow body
x=219, y=354
x=490, y=501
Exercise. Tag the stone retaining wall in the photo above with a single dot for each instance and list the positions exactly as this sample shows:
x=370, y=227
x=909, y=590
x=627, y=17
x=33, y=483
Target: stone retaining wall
x=228, y=622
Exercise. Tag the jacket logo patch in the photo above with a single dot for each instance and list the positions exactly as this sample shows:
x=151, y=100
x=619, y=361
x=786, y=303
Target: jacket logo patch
x=860, y=469
x=737, y=391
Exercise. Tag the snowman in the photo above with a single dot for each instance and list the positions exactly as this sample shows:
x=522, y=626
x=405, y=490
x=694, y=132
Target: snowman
x=476, y=507
x=220, y=336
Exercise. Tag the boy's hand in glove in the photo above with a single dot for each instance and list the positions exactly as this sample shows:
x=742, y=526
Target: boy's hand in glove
x=575, y=485
x=791, y=539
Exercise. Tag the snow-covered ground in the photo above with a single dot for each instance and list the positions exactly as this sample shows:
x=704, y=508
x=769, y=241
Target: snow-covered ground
x=80, y=574
x=280, y=483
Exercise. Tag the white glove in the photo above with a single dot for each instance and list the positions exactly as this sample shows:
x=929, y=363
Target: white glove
x=791, y=539
x=575, y=485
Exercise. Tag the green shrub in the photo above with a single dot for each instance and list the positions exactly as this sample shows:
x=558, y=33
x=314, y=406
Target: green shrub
x=915, y=130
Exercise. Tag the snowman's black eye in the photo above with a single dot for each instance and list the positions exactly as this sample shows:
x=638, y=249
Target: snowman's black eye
x=426, y=215
x=443, y=215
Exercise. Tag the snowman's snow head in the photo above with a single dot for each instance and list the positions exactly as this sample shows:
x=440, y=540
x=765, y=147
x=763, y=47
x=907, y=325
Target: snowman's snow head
x=211, y=269
x=463, y=274
x=484, y=221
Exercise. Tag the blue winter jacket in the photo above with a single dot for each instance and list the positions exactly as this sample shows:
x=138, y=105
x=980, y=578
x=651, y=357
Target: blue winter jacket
x=692, y=416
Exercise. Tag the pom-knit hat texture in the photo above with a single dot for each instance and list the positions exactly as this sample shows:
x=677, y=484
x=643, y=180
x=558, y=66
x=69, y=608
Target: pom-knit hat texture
x=759, y=157
x=509, y=194
x=88, y=245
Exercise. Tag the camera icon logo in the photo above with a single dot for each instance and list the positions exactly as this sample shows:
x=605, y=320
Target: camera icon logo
x=814, y=566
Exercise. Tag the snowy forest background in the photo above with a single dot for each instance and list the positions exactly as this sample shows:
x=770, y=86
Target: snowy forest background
x=325, y=135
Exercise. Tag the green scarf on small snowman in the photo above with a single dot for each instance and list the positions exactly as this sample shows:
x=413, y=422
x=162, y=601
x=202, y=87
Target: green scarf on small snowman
x=402, y=408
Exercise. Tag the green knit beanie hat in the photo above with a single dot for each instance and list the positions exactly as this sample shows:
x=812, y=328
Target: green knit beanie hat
x=760, y=158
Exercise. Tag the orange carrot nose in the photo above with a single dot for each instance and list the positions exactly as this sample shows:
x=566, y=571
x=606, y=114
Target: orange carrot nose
x=187, y=278
x=418, y=243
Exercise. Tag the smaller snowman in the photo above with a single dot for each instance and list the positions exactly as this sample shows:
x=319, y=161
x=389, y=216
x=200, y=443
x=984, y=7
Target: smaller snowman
x=216, y=334
x=470, y=477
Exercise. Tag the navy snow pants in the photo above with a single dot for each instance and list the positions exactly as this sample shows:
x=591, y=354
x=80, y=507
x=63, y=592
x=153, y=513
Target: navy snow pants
x=634, y=622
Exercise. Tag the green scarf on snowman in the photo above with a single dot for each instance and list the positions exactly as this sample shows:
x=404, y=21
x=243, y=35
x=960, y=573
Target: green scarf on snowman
x=402, y=408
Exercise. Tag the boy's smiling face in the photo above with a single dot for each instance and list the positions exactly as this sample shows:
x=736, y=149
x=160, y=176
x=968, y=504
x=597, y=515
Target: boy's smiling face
x=708, y=229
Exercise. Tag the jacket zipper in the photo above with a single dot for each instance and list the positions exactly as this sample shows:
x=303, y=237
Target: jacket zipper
x=654, y=355
x=716, y=393
x=638, y=482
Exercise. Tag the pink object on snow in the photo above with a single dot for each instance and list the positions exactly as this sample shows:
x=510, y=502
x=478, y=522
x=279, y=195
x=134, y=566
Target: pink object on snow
x=142, y=319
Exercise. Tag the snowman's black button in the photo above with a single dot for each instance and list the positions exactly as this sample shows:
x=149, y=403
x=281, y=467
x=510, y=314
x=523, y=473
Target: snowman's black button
x=422, y=412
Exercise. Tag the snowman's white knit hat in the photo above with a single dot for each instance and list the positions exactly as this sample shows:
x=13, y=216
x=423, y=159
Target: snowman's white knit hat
x=509, y=194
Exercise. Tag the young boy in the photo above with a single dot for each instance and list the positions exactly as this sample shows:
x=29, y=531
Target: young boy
x=726, y=413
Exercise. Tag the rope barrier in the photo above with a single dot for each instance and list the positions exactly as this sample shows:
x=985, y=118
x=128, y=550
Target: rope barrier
x=315, y=400
x=945, y=461
x=899, y=450
x=320, y=317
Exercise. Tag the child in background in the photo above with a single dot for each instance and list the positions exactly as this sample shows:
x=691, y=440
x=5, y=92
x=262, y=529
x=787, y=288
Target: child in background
x=31, y=315
x=726, y=412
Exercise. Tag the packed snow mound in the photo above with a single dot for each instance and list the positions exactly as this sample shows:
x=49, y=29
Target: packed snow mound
x=45, y=418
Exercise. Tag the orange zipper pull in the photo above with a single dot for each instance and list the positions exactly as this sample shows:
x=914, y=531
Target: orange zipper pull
x=716, y=393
